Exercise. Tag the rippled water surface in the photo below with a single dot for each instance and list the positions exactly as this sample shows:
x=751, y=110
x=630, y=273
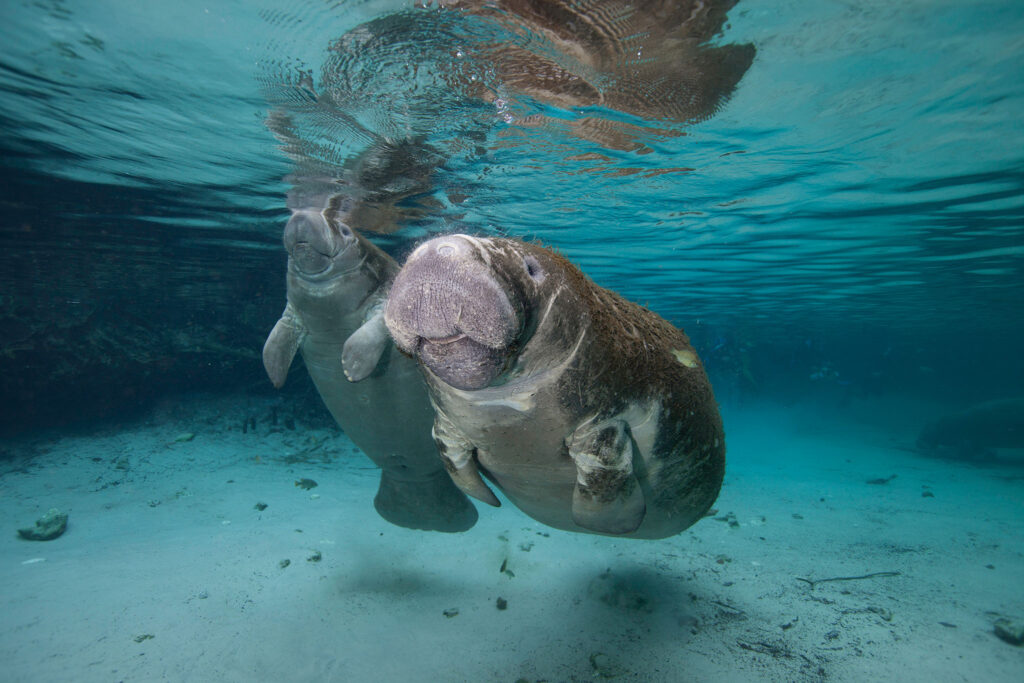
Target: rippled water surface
x=866, y=169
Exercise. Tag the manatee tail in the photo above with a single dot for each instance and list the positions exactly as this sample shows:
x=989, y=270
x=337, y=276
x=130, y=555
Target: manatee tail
x=431, y=504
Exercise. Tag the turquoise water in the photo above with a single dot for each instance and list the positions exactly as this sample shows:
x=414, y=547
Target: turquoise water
x=864, y=177
x=842, y=228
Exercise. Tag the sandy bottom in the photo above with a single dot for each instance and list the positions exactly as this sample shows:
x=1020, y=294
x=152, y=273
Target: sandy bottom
x=168, y=571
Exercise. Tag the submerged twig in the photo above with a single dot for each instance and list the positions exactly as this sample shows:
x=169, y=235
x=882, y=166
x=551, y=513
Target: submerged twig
x=872, y=575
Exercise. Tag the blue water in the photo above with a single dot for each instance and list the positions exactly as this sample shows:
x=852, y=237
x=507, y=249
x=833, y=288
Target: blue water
x=846, y=225
x=865, y=176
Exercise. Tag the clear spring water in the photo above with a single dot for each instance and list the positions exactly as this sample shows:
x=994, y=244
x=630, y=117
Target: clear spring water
x=866, y=171
x=846, y=226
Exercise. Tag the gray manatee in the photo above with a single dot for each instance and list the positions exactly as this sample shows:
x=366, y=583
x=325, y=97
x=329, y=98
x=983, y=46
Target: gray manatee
x=337, y=282
x=589, y=412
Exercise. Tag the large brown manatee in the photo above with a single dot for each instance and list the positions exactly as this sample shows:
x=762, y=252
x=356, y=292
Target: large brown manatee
x=336, y=286
x=589, y=412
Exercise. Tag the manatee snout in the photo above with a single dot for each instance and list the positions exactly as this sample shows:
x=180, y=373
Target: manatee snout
x=312, y=242
x=449, y=310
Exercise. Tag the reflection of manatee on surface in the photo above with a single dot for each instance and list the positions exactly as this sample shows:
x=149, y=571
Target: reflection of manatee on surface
x=336, y=287
x=387, y=183
x=973, y=433
x=423, y=87
x=650, y=59
x=590, y=412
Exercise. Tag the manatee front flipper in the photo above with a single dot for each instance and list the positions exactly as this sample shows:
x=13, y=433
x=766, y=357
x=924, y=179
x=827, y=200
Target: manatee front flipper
x=365, y=346
x=607, y=497
x=432, y=503
x=459, y=457
x=281, y=345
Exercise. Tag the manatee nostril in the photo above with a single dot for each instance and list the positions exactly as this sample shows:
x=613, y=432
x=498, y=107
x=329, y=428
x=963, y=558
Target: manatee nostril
x=445, y=249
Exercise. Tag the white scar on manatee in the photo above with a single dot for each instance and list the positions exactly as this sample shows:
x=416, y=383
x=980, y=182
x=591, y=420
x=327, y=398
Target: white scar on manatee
x=479, y=246
x=685, y=357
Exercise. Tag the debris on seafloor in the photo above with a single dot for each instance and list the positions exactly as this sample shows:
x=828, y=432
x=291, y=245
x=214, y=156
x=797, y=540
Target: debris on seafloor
x=729, y=517
x=605, y=667
x=873, y=575
x=48, y=527
x=1010, y=630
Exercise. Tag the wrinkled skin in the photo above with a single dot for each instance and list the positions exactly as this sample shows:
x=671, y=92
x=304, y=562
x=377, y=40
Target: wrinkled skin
x=336, y=283
x=589, y=412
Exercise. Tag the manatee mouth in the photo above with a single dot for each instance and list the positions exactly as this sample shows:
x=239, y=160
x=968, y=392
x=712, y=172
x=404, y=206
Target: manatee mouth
x=313, y=243
x=455, y=313
x=460, y=361
x=308, y=259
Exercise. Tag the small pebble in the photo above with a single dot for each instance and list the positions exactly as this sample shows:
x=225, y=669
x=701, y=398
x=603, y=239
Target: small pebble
x=284, y=563
x=315, y=557
x=260, y=506
x=451, y=612
x=502, y=603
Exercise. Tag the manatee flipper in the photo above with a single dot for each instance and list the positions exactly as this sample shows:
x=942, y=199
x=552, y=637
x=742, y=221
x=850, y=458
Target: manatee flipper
x=459, y=458
x=607, y=497
x=281, y=345
x=431, y=504
x=365, y=346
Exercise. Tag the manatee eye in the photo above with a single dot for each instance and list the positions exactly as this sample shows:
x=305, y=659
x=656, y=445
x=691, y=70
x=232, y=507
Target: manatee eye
x=533, y=269
x=344, y=230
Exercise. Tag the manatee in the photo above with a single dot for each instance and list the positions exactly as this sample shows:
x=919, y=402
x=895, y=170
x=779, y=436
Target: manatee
x=590, y=413
x=336, y=287
x=972, y=434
